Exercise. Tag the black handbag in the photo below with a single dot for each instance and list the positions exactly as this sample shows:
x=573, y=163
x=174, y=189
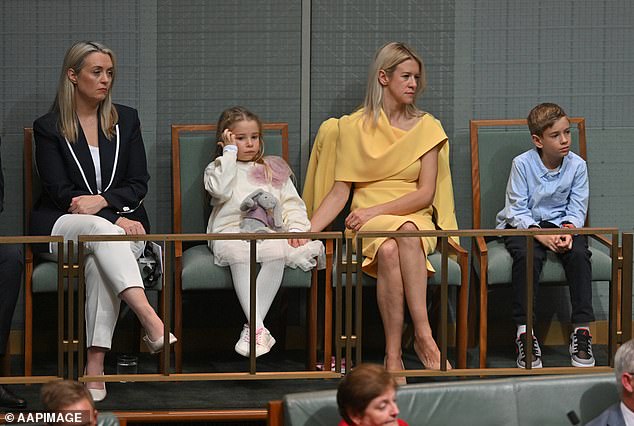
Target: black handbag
x=152, y=269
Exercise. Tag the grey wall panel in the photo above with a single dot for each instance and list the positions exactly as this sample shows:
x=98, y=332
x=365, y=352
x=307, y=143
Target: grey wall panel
x=215, y=55
x=346, y=34
x=34, y=38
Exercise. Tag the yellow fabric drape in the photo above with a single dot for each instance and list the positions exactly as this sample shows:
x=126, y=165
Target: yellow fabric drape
x=346, y=150
x=320, y=175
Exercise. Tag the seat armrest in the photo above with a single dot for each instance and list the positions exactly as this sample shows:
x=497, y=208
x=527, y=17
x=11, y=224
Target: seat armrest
x=480, y=246
x=178, y=249
x=602, y=239
x=330, y=249
x=457, y=248
x=275, y=413
x=28, y=254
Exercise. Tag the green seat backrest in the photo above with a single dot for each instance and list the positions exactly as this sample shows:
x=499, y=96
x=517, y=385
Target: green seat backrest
x=496, y=148
x=196, y=151
x=196, y=146
x=512, y=401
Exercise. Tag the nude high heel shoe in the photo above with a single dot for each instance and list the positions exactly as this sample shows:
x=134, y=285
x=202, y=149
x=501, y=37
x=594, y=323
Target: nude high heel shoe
x=97, y=395
x=157, y=346
x=400, y=380
x=427, y=363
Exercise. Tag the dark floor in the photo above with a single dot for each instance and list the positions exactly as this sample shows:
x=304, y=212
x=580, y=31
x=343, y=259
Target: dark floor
x=250, y=394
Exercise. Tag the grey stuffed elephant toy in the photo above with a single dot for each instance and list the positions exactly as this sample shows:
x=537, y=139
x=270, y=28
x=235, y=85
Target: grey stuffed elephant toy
x=262, y=213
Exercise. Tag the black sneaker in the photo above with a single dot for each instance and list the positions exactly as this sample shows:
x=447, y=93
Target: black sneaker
x=581, y=348
x=520, y=342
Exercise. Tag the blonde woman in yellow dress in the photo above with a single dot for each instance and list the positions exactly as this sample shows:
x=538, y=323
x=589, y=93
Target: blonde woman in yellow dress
x=395, y=159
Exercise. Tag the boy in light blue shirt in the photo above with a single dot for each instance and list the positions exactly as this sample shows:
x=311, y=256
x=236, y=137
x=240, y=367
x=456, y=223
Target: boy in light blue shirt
x=548, y=188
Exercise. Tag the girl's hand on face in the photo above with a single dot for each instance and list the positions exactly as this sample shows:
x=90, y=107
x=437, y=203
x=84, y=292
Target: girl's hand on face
x=228, y=138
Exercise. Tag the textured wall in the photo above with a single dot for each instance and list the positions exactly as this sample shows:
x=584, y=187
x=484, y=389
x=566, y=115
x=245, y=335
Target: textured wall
x=184, y=61
x=211, y=57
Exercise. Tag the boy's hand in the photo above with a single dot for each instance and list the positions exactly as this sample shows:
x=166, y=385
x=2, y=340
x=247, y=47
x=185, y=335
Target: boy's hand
x=564, y=243
x=556, y=243
x=551, y=242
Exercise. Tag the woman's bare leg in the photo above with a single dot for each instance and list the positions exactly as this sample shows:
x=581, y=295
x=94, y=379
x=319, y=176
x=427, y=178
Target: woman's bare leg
x=412, y=261
x=389, y=294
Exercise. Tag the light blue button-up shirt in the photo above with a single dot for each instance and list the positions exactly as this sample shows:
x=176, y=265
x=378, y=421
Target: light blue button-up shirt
x=535, y=194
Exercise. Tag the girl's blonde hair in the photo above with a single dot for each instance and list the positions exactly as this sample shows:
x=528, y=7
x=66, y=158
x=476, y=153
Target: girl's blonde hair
x=387, y=58
x=233, y=115
x=64, y=103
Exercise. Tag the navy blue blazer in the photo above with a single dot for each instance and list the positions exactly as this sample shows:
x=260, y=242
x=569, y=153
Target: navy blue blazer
x=66, y=170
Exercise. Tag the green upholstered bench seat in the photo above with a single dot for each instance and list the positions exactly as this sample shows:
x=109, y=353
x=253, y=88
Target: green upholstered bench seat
x=201, y=273
x=500, y=261
x=45, y=278
x=513, y=401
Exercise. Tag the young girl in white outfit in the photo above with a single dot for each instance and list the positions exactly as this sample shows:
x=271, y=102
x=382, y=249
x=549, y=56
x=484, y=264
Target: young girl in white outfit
x=239, y=172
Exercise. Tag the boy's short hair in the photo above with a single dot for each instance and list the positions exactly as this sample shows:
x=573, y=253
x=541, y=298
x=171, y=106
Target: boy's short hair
x=544, y=116
x=60, y=394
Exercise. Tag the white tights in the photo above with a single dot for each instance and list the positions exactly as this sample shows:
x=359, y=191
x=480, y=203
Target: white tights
x=267, y=283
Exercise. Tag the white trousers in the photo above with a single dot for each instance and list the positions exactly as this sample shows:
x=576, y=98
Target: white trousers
x=110, y=268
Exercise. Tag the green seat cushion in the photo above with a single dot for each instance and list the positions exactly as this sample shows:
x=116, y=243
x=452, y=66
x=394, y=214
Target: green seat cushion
x=547, y=400
x=512, y=401
x=469, y=403
x=318, y=408
x=201, y=273
x=45, y=278
x=500, y=262
x=477, y=402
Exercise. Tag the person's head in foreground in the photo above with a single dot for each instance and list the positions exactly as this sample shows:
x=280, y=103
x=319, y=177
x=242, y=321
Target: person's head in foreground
x=367, y=396
x=624, y=372
x=69, y=397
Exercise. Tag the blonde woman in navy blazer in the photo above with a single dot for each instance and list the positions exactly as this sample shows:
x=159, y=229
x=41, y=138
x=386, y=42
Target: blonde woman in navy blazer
x=91, y=161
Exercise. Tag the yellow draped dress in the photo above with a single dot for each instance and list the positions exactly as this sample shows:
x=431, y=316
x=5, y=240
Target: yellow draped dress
x=383, y=163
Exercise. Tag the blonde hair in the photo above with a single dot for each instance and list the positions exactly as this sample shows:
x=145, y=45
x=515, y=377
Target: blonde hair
x=387, y=58
x=233, y=115
x=64, y=103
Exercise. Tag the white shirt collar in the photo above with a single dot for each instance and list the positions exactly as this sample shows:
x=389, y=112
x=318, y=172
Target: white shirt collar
x=628, y=415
